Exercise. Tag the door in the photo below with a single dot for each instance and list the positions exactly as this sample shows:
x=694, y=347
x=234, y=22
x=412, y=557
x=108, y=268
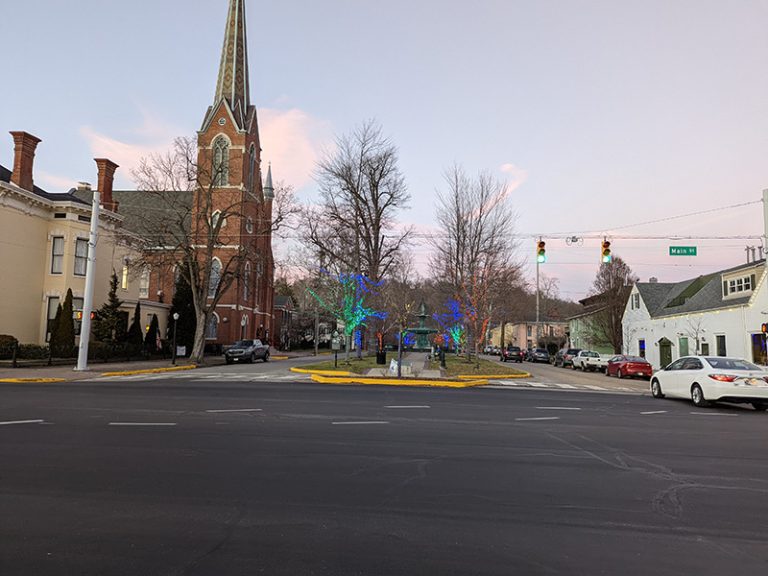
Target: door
x=670, y=378
x=758, y=349
x=665, y=352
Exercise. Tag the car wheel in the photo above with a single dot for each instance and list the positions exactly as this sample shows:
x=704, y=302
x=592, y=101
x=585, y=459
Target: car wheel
x=656, y=389
x=266, y=357
x=760, y=406
x=608, y=374
x=697, y=397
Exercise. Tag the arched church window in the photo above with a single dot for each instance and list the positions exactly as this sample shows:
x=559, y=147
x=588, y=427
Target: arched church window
x=220, y=161
x=252, y=169
x=212, y=330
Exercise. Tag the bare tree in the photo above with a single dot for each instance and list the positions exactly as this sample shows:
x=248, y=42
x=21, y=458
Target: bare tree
x=613, y=283
x=362, y=189
x=187, y=218
x=474, y=252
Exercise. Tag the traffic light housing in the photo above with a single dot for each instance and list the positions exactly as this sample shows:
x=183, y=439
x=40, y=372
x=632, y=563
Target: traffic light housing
x=606, y=252
x=764, y=328
x=541, y=252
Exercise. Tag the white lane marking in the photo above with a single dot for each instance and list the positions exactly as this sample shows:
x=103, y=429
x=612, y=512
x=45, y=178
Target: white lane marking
x=21, y=422
x=594, y=387
x=556, y=408
x=537, y=385
x=142, y=423
x=543, y=418
x=368, y=422
x=567, y=386
x=655, y=412
x=396, y=407
x=712, y=414
x=234, y=410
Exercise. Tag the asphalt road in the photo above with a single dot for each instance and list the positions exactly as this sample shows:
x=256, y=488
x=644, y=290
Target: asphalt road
x=214, y=478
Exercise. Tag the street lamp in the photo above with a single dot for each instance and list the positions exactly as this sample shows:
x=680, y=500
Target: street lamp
x=173, y=353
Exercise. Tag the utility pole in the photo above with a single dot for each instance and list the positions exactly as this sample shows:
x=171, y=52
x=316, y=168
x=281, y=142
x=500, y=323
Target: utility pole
x=90, y=277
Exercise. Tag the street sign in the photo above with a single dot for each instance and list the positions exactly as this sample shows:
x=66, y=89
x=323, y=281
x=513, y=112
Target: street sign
x=682, y=250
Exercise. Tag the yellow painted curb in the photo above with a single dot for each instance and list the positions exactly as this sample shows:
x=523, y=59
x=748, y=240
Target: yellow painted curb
x=150, y=370
x=322, y=372
x=32, y=379
x=278, y=357
x=495, y=376
x=393, y=382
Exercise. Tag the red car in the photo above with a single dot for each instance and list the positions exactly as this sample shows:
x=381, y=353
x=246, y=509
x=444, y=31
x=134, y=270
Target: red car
x=621, y=366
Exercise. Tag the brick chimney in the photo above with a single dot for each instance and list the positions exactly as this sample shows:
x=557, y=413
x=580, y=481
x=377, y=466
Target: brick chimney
x=23, y=159
x=106, y=177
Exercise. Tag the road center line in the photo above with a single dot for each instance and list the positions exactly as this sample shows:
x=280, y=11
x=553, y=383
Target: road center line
x=368, y=422
x=395, y=407
x=234, y=410
x=556, y=408
x=142, y=423
x=543, y=418
x=21, y=422
x=712, y=414
x=655, y=412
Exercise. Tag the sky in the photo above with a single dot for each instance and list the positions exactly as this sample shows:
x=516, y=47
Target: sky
x=605, y=117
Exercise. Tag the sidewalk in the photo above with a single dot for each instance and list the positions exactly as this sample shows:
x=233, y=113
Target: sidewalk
x=96, y=368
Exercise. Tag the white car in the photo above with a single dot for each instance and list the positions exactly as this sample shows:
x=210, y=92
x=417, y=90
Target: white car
x=706, y=379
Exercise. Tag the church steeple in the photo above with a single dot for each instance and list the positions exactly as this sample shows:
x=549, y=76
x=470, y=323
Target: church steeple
x=232, y=84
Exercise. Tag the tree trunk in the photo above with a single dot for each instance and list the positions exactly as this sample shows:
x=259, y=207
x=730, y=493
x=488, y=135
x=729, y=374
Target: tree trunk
x=198, y=349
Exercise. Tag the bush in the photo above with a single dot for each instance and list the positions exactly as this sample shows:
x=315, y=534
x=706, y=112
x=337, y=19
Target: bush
x=33, y=352
x=7, y=344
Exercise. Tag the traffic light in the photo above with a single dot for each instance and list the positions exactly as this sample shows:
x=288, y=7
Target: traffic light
x=606, y=251
x=764, y=328
x=77, y=315
x=541, y=252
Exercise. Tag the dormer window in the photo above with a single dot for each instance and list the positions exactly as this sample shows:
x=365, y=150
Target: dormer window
x=738, y=286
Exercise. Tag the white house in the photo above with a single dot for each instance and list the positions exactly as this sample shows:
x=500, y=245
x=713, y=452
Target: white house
x=717, y=314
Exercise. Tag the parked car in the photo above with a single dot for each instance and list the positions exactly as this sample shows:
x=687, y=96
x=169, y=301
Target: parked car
x=564, y=356
x=599, y=363
x=247, y=351
x=579, y=361
x=496, y=351
x=537, y=355
x=622, y=365
x=488, y=350
x=512, y=354
x=706, y=379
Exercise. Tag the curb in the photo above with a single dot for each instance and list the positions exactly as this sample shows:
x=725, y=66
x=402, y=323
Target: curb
x=279, y=357
x=322, y=372
x=494, y=376
x=389, y=382
x=21, y=380
x=150, y=370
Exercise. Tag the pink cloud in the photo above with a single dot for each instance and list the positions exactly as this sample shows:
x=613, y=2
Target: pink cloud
x=53, y=182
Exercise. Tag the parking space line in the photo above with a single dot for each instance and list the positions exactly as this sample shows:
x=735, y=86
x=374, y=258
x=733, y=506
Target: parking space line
x=654, y=412
x=534, y=419
x=234, y=410
x=142, y=423
x=712, y=414
x=360, y=423
x=398, y=407
x=557, y=408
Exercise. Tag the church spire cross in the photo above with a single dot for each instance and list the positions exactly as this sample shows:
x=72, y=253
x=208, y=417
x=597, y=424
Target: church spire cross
x=232, y=84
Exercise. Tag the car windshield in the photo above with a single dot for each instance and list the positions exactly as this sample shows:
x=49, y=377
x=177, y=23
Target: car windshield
x=731, y=364
x=243, y=343
x=541, y=351
x=591, y=354
x=636, y=359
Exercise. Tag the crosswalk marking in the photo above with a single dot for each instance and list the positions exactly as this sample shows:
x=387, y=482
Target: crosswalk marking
x=218, y=376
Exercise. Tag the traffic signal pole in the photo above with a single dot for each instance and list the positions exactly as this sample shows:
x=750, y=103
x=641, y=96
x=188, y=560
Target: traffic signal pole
x=90, y=277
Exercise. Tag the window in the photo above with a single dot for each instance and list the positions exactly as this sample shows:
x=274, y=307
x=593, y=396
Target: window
x=212, y=330
x=220, y=162
x=251, y=168
x=249, y=225
x=53, y=304
x=247, y=281
x=635, y=302
x=81, y=256
x=244, y=327
x=739, y=285
x=144, y=283
x=641, y=348
x=720, y=339
x=57, y=255
x=530, y=330
x=683, y=343
x=215, y=278
x=705, y=349
x=692, y=364
x=676, y=365
x=215, y=217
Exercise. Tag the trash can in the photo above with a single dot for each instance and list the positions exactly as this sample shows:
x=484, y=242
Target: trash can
x=381, y=357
